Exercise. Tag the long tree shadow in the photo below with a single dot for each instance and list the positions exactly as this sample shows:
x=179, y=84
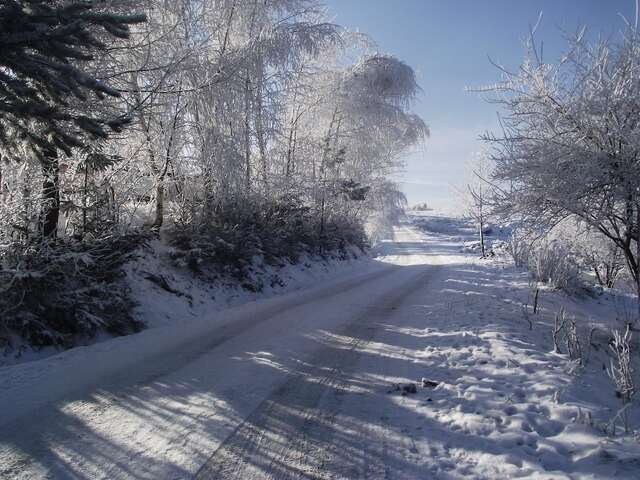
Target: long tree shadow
x=330, y=413
x=188, y=412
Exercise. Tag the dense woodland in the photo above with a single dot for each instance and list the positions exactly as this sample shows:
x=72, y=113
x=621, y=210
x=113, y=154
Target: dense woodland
x=229, y=128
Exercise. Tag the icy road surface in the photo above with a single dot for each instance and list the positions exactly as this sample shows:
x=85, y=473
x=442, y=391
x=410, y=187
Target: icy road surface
x=300, y=386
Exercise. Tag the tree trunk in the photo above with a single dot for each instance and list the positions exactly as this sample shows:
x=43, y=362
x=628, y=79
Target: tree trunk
x=482, y=251
x=321, y=235
x=247, y=132
x=638, y=295
x=323, y=161
x=84, y=198
x=293, y=149
x=50, y=197
x=247, y=107
x=289, y=165
x=638, y=259
x=159, y=214
x=259, y=125
x=325, y=151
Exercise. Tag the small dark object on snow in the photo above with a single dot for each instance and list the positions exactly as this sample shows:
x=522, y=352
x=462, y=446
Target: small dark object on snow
x=394, y=388
x=429, y=383
x=409, y=388
x=404, y=389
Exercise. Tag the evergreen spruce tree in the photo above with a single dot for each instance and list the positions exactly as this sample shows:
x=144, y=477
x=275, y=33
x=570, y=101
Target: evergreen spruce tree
x=45, y=96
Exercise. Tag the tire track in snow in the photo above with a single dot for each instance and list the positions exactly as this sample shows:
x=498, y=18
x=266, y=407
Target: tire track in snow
x=87, y=428
x=289, y=434
x=155, y=361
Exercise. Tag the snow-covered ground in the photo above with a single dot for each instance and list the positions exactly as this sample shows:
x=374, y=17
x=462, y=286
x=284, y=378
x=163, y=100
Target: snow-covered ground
x=309, y=384
x=165, y=295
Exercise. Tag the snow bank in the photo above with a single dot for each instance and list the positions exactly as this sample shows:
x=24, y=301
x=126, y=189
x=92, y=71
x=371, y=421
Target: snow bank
x=165, y=295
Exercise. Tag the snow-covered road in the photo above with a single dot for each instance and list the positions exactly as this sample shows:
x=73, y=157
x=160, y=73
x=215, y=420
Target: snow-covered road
x=299, y=386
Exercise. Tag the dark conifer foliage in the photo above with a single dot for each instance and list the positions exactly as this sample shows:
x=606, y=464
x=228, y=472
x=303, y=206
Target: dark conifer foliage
x=42, y=45
x=45, y=96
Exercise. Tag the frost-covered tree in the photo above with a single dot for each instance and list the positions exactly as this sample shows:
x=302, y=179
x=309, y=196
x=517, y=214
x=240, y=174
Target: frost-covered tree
x=47, y=96
x=570, y=145
x=475, y=197
x=251, y=132
x=360, y=127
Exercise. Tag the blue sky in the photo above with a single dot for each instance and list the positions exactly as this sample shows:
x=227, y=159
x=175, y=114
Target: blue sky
x=448, y=43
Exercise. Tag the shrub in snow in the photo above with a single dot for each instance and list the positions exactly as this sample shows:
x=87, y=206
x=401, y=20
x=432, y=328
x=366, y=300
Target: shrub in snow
x=558, y=326
x=388, y=205
x=554, y=263
x=275, y=230
x=60, y=293
x=550, y=257
x=574, y=347
x=500, y=247
x=475, y=199
x=565, y=332
x=519, y=249
x=532, y=298
x=602, y=256
x=621, y=373
x=620, y=370
x=625, y=310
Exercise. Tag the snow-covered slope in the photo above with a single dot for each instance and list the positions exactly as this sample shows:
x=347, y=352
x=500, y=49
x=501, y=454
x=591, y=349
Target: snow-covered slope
x=166, y=295
x=302, y=385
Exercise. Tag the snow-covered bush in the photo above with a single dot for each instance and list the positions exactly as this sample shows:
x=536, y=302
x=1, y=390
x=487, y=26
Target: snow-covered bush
x=62, y=293
x=564, y=256
x=602, y=256
x=554, y=263
x=551, y=256
x=519, y=248
x=275, y=230
x=551, y=260
x=621, y=373
x=565, y=333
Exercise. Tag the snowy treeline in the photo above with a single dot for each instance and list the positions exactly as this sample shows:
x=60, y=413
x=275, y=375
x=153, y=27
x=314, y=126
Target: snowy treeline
x=568, y=156
x=236, y=127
